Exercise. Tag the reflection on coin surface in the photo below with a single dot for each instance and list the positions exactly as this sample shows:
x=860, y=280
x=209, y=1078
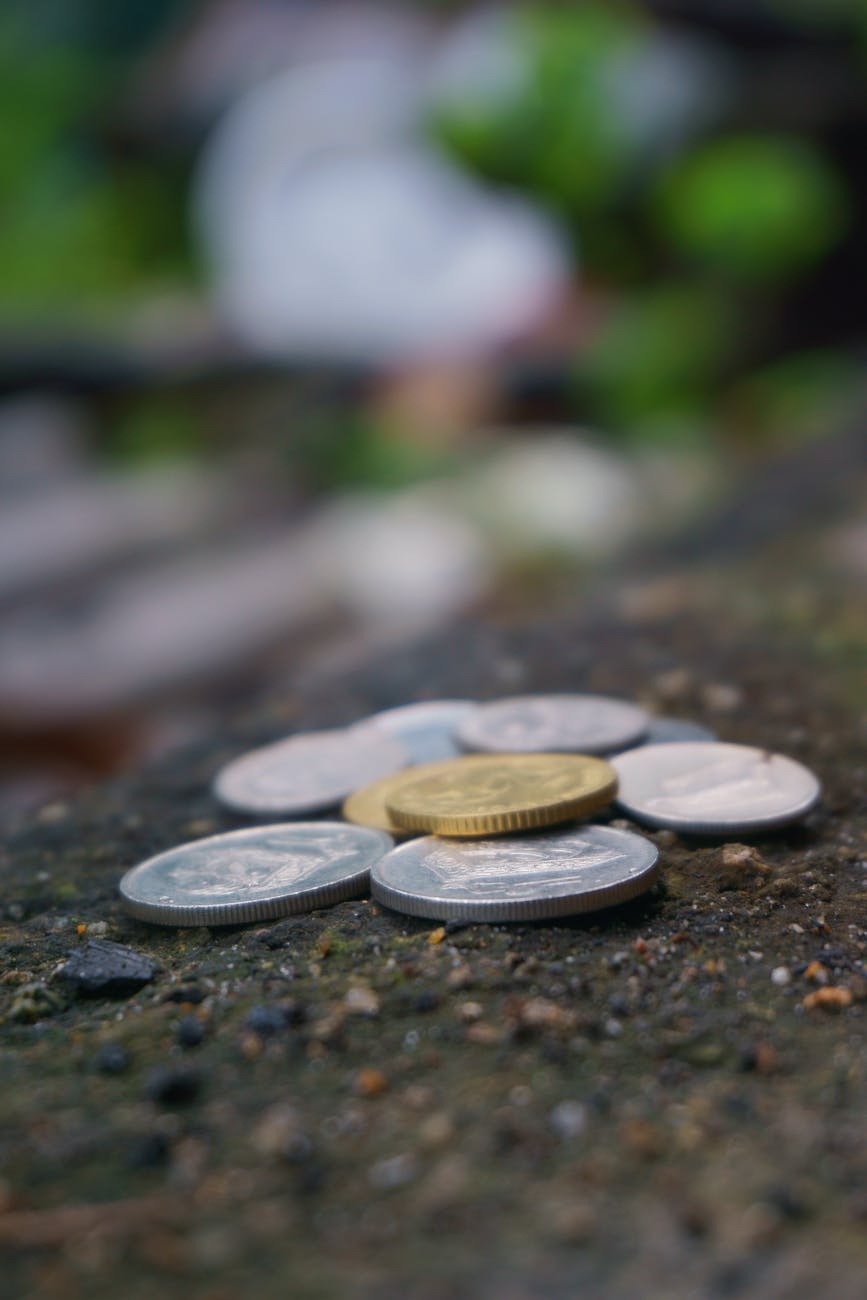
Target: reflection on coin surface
x=713, y=787
x=254, y=874
x=522, y=878
x=425, y=729
x=578, y=724
x=486, y=794
x=307, y=773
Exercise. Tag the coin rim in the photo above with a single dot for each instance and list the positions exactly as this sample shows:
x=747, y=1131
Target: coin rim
x=499, y=911
x=719, y=827
x=262, y=909
x=629, y=737
x=470, y=825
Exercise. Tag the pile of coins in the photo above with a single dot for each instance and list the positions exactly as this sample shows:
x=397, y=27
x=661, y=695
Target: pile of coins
x=495, y=797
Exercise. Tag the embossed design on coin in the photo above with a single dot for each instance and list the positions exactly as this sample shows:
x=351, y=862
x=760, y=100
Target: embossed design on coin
x=307, y=773
x=254, y=874
x=425, y=729
x=483, y=794
x=713, y=787
x=528, y=877
x=578, y=724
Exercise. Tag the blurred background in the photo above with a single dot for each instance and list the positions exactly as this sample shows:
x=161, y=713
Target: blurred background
x=323, y=324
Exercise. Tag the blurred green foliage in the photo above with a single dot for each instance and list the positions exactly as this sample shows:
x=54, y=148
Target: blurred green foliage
x=754, y=207
x=653, y=361
x=80, y=224
x=681, y=237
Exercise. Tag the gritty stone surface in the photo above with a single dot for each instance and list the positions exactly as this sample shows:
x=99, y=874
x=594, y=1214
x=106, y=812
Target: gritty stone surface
x=625, y=1104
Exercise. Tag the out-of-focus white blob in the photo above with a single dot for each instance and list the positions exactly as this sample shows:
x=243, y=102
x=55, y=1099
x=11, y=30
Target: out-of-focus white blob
x=557, y=494
x=479, y=62
x=333, y=236
x=664, y=90
x=405, y=561
x=232, y=45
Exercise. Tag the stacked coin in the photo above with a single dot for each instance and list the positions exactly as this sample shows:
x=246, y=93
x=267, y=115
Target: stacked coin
x=497, y=791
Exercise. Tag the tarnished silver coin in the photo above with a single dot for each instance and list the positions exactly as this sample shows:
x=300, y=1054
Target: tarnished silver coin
x=307, y=773
x=544, y=724
x=522, y=878
x=713, y=788
x=254, y=874
x=425, y=729
x=668, y=731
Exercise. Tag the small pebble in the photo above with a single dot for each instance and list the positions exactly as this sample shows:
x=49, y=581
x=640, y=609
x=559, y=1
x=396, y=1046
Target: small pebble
x=101, y=968
x=112, y=1059
x=190, y=1032
x=173, y=1086
x=265, y=1021
x=568, y=1119
x=781, y=975
x=370, y=1082
x=386, y=1175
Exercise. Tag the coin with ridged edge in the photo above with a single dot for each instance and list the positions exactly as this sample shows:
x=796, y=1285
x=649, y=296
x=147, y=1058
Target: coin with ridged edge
x=367, y=806
x=570, y=724
x=489, y=794
x=306, y=773
x=255, y=874
x=714, y=788
x=523, y=878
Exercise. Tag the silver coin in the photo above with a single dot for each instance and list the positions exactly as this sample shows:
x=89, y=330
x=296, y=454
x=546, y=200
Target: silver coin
x=520, y=878
x=254, y=874
x=581, y=724
x=425, y=729
x=668, y=731
x=307, y=773
x=713, y=787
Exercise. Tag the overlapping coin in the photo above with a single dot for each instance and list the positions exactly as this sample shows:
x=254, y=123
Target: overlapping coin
x=488, y=794
x=255, y=874
x=425, y=729
x=522, y=878
x=713, y=788
x=578, y=724
x=307, y=773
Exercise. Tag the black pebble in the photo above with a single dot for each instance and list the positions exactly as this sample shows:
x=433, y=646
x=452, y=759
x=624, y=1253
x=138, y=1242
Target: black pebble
x=190, y=1032
x=266, y=1021
x=186, y=993
x=426, y=1002
x=112, y=1059
x=173, y=1087
x=101, y=968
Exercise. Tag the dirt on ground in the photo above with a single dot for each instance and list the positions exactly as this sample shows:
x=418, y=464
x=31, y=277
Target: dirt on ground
x=661, y=1100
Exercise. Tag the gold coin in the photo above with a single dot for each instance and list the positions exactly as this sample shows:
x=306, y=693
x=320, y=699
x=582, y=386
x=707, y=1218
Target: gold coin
x=484, y=794
x=366, y=807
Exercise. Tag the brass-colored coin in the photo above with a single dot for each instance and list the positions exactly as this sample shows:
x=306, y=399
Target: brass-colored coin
x=487, y=794
x=367, y=806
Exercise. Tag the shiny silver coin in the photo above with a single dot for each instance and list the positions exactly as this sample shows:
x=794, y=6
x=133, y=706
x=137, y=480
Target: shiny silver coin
x=668, y=731
x=578, y=724
x=425, y=729
x=307, y=773
x=713, y=788
x=520, y=878
x=255, y=874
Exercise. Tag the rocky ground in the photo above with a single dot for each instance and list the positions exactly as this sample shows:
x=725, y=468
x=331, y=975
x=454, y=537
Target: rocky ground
x=662, y=1100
